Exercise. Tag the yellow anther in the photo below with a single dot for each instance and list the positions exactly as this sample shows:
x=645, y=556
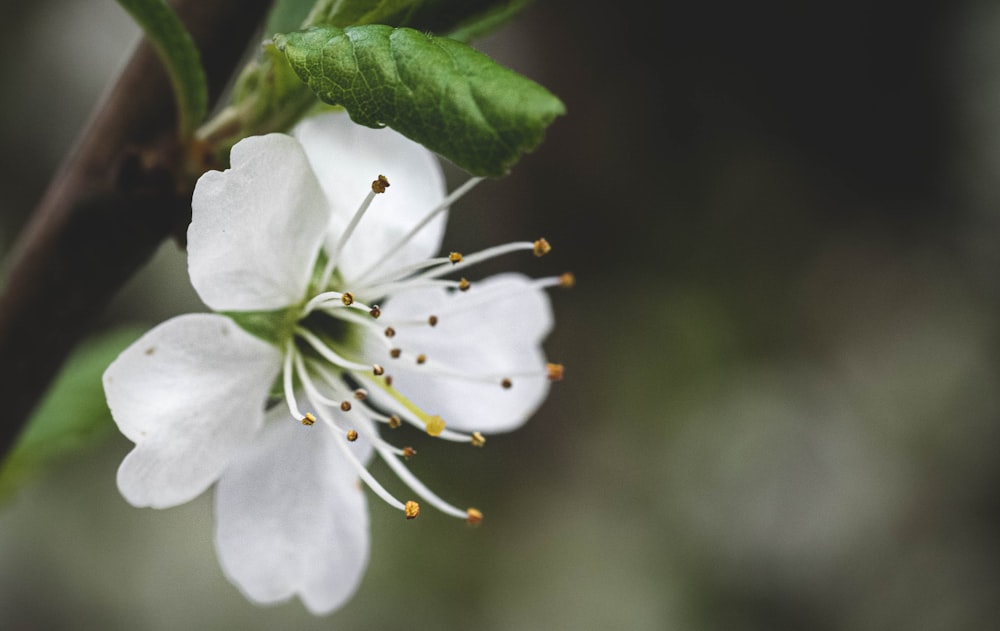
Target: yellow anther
x=474, y=517
x=390, y=332
x=379, y=185
x=412, y=509
x=360, y=394
x=395, y=421
x=506, y=383
x=433, y=320
x=388, y=380
x=345, y=406
x=555, y=372
x=352, y=435
x=455, y=257
x=567, y=280
x=464, y=284
x=347, y=298
x=375, y=311
x=421, y=358
x=409, y=452
x=395, y=353
x=477, y=439
x=377, y=370
x=435, y=425
x=308, y=419
x=542, y=247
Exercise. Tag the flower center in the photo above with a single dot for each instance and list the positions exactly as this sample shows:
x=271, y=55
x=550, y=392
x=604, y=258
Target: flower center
x=331, y=379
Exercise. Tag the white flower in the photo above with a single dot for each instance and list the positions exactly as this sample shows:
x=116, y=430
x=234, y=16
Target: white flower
x=277, y=397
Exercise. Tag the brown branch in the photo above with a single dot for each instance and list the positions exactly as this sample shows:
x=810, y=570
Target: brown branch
x=107, y=210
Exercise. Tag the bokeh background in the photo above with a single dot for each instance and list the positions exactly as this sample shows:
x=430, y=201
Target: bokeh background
x=781, y=407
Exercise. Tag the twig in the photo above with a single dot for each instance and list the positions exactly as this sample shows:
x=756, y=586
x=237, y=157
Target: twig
x=108, y=208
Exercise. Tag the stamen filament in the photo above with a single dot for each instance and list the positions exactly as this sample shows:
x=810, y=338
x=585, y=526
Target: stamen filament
x=419, y=487
x=288, y=383
x=550, y=281
x=417, y=282
x=331, y=262
x=311, y=390
x=407, y=270
x=455, y=437
x=339, y=389
x=365, y=475
x=340, y=438
x=335, y=299
x=445, y=203
x=478, y=257
x=327, y=353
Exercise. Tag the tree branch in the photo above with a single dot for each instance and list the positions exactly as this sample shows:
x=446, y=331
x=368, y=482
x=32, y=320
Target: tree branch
x=107, y=209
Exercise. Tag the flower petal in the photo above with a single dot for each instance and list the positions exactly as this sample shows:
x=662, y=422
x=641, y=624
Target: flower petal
x=291, y=518
x=492, y=331
x=256, y=228
x=347, y=157
x=190, y=394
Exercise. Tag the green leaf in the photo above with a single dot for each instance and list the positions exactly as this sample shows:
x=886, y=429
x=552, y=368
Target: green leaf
x=72, y=416
x=176, y=49
x=443, y=17
x=436, y=91
x=269, y=97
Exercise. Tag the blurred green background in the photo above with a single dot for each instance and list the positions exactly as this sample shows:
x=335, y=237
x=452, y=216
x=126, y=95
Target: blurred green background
x=781, y=406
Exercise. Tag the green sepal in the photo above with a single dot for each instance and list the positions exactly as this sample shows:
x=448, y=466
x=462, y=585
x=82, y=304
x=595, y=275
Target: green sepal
x=274, y=327
x=72, y=416
x=436, y=91
x=268, y=97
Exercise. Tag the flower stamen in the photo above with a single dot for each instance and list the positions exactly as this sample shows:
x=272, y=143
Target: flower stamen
x=378, y=186
x=454, y=196
x=478, y=257
x=287, y=382
x=474, y=517
x=419, y=487
x=331, y=301
x=555, y=371
x=343, y=441
x=327, y=353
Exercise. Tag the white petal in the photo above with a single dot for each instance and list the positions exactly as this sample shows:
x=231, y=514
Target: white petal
x=256, y=227
x=190, y=394
x=494, y=330
x=347, y=157
x=291, y=518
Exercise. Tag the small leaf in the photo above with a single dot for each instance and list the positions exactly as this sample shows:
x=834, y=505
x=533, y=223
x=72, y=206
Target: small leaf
x=72, y=416
x=176, y=49
x=436, y=91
